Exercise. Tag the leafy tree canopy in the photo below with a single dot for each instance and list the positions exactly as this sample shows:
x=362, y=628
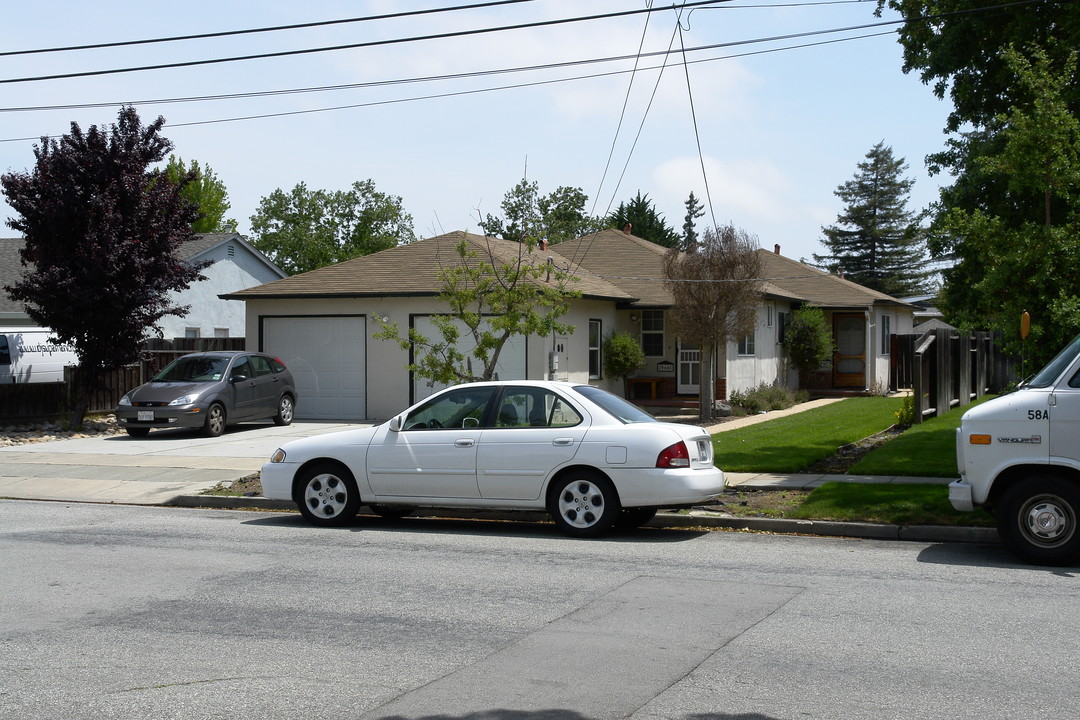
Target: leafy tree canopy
x=646, y=223
x=101, y=231
x=1028, y=257
x=205, y=191
x=527, y=215
x=307, y=229
x=876, y=239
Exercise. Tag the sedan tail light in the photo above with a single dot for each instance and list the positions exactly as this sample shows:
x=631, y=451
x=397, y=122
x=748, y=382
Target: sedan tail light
x=674, y=456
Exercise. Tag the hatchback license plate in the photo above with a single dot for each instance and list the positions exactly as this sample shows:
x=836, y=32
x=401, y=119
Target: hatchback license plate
x=146, y=416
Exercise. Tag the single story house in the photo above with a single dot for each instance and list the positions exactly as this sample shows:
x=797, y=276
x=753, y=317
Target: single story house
x=235, y=265
x=321, y=324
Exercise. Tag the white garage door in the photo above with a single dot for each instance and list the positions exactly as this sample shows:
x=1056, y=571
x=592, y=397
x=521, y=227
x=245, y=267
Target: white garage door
x=327, y=359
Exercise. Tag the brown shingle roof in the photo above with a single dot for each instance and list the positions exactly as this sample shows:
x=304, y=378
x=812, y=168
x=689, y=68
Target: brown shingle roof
x=634, y=264
x=817, y=287
x=413, y=269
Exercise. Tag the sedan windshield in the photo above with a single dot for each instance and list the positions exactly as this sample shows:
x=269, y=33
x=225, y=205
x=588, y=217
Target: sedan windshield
x=622, y=410
x=203, y=368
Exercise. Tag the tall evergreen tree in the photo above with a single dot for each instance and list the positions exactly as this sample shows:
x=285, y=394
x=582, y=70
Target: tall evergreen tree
x=876, y=239
x=645, y=221
x=694, y=210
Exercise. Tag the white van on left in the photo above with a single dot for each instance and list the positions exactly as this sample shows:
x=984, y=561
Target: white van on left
x=27, y=356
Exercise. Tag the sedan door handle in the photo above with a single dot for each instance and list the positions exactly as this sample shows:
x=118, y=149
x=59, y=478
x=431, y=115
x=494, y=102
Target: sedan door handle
x=563, y=441
x=464, y=442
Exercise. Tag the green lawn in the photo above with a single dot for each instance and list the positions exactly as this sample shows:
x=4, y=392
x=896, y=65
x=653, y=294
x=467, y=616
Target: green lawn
x=890, y=504
x=789, y=444
x=924, y=450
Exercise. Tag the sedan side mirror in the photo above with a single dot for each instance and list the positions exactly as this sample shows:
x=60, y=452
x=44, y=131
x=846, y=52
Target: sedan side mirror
x=395, y=424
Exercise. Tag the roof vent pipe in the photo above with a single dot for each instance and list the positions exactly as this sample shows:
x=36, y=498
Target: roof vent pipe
x=627, y=228
x=776, y=248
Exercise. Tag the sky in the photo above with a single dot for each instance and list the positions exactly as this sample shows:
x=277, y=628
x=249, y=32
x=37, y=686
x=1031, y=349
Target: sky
x=762, y=131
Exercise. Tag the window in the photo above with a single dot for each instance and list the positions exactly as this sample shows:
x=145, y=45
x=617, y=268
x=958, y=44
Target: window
x=5, y=351
x=746, y=345
x=532, y=407
x=652, y=333
x=462, y=408
x=769, y=309
x=783, y=318
x=221, y=332
x=191, y=332
x=886, y=331
x=595, y=360
x=261, y=365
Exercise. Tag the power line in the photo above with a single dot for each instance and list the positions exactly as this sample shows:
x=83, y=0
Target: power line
x=252, y=31
x=348, y=46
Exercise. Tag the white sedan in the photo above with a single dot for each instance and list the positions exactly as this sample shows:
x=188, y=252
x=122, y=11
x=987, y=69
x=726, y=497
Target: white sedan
x=590, y=458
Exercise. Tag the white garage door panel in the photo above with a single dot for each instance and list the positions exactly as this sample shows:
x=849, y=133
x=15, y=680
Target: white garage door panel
x=327, y=359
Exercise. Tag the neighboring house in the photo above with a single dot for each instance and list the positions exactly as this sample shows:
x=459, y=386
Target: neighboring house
x=862, y=320
x=236, y=265
x=321, y=324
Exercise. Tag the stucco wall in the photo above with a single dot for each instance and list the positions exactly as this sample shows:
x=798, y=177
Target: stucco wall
x=207, y=311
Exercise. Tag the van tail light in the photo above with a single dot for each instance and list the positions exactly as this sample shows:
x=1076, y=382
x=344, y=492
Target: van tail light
x=675, y=456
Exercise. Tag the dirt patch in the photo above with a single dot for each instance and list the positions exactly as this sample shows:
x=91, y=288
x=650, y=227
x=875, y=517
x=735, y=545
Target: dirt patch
x=760, y=503
x=248, y=486
x=846, y=457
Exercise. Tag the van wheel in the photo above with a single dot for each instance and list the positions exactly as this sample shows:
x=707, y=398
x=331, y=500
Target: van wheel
x=1037, y=520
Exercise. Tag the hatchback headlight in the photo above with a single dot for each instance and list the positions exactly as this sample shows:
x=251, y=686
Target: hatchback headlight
x=185, y=399
x=126, y=400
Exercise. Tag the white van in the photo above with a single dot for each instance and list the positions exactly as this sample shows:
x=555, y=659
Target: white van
x=26, y=356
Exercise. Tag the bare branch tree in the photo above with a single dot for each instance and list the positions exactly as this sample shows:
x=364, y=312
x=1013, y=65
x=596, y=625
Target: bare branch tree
x=716, y=291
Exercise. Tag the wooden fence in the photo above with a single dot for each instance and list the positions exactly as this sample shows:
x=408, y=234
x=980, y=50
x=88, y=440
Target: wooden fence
x=946, y=369
x=33, y=401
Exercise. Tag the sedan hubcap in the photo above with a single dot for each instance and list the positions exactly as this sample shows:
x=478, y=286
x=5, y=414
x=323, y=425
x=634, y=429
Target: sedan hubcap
x=581, y=504
x=1048, y=522
x=326, y=496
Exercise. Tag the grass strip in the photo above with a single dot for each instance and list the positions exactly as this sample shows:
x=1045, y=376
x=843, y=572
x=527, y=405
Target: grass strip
x=924, y=450
x=789, y=444
x=891, y=504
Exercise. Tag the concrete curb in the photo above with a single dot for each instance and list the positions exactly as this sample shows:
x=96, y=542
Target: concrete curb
x=695, y=519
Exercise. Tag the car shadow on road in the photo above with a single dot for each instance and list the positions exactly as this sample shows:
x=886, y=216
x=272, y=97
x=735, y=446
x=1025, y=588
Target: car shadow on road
x=188, y=433
x=478, y=528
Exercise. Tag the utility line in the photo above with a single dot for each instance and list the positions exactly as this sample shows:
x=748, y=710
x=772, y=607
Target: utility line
x=350, y=46
x=276, y=28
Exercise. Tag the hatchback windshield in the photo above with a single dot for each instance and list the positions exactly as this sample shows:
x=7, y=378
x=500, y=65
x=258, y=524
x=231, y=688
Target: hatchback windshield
x=204, y=368
x=618, y=408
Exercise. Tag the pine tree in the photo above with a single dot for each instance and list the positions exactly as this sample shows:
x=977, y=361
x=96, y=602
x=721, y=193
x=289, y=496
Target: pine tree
x=876, y=241
x=694, y=210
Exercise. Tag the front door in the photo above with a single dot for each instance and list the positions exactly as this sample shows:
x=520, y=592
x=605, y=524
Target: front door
x=689, y=370
x=849, y=360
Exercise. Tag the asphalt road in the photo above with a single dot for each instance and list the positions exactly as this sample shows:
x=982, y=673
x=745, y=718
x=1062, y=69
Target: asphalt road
x=148, y=612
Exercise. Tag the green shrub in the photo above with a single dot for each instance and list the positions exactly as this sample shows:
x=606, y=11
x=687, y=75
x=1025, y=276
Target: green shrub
x=766, y=397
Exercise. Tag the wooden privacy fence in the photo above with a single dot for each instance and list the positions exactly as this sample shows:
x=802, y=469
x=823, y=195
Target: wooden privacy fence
x=26, y=401
x=947, y=369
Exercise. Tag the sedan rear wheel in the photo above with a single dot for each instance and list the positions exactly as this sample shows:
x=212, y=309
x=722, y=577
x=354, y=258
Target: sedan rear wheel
x=584, y=504
x=327, y=495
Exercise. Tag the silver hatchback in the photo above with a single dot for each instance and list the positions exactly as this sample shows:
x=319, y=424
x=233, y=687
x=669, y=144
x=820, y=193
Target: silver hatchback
x=209, y=391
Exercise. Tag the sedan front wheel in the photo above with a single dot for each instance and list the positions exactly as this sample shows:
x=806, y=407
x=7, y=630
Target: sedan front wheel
x=584, y=504
x=327, y=495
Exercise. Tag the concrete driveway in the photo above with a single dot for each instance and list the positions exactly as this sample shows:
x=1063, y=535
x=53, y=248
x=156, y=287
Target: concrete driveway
x=144, y=471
